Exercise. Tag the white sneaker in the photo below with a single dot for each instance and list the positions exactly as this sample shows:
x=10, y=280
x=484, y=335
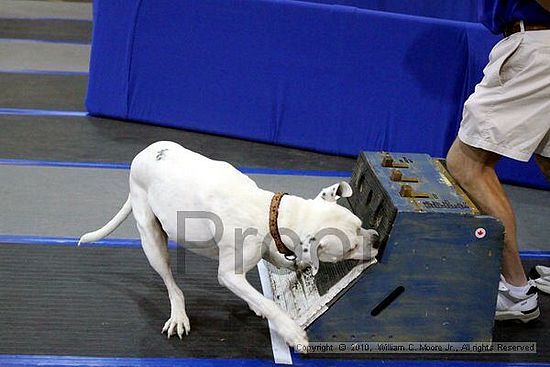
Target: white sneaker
x=540, y=275
x=512, y=306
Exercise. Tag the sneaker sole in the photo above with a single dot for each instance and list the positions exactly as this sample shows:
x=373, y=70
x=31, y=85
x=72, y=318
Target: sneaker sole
x=524, y=317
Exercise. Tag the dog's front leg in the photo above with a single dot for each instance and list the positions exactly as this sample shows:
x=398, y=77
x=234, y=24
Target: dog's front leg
x=231, y=274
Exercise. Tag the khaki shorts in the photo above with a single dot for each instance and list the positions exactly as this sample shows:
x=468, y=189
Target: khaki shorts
x=509, y=112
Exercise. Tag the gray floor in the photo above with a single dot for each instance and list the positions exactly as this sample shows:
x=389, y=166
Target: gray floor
x=93, y=139
x=22, y=55
x=58, y=30
x=28, y=9
x=532, y=209
x=37, y=35
x=100, y=302
x=43, y=92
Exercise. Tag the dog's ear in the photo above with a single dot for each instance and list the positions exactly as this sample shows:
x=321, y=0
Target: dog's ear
x=334, y=192
x=307, y=252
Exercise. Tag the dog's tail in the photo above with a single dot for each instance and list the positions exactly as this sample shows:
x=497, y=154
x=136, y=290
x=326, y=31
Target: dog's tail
x=108, y=228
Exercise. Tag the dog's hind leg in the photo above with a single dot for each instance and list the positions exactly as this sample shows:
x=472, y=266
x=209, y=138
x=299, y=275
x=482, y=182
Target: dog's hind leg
x=154, y=243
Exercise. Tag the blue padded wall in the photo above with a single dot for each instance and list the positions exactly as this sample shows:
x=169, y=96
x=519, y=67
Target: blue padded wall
x=329, y=78
x=463, y=10
x=112, y=39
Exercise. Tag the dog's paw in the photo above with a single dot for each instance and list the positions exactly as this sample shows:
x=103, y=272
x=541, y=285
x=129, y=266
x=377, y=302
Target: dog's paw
x=178, y=323
x=293, y=334
x=297, y=339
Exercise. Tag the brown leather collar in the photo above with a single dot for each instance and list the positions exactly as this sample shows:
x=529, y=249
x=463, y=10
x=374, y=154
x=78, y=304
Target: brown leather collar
x=274, y=228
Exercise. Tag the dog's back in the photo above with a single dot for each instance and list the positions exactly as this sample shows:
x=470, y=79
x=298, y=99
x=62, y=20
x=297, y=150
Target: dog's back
x=168, y=161
x=174, y=179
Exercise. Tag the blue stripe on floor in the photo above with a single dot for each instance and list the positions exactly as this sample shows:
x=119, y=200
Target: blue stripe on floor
x=31, y=112
x=535, y=255
x=33, y=41
x=37, y=163
x=43, y=72
x=66, y=361
x=72, y=241
x=102, y=165
x=135, y=243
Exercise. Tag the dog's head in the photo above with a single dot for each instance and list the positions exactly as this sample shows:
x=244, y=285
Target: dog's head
x=333, y=233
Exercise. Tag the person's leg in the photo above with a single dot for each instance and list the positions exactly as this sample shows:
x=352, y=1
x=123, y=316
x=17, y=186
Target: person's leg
x=474, y=170
x=544, y=165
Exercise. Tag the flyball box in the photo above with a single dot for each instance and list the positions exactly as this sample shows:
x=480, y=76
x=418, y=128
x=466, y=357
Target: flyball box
x=438, y=266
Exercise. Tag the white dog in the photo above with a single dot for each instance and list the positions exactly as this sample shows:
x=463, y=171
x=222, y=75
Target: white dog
x=226, y=216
